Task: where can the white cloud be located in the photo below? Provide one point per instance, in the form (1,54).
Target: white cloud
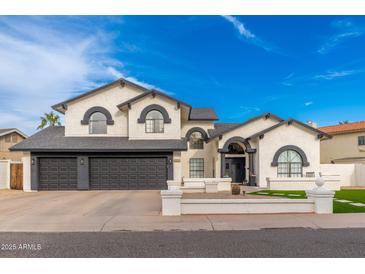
(287,80)
(44,62)
(346,30)
(308,103)
(330,75)
(239,26)
(246,34)
(244,110)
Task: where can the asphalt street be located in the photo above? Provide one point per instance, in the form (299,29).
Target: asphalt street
(296,242)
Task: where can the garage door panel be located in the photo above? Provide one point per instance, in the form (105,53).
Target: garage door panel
(57,173)
(128,173)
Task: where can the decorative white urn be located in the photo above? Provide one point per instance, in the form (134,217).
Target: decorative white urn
(319,181)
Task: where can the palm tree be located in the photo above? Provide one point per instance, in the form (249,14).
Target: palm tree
(50,119)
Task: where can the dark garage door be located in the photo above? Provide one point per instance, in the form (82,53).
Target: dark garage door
(57,174)
(128,173)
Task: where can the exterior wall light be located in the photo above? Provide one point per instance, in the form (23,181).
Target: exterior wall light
(82,161)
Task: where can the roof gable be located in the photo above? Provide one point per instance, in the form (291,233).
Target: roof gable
(229,127)
(6,131)
(320,134)
(62,106)
(152,93)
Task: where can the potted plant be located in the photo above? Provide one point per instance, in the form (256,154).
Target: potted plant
(236,189)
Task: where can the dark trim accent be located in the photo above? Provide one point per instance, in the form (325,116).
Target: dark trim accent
(290,147)
(234,140)
(153,93)
(121,81)
(101,150)
(223,164)
(83,173)
(311,128)
(261,133)
(90,111)
(146,110)
(251,152)
(251,170)
(170,167)
(265,115)
(34,169)
(196,129)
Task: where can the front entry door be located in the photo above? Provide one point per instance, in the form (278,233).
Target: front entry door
(235,168)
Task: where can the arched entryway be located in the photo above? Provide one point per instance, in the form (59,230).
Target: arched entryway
(237,161)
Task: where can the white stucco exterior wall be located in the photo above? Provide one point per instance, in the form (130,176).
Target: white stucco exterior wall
(108,98)
(248,129)
(177,166)
(26,160)
(171,130)
(282,136)
(209,153)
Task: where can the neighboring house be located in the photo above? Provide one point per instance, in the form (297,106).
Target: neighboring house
(124,136)
(347,144)
(8,138)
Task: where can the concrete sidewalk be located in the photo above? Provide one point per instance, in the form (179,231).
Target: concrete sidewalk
(137,211)
(73,223)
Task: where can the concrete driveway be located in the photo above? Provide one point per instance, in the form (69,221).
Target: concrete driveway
(136,211)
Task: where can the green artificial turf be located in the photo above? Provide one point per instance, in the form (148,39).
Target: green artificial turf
(354,195)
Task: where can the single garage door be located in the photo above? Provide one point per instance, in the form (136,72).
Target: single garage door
(128,173)
(57,174)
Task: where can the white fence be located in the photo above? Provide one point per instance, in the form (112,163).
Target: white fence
(348,174)
(5,174)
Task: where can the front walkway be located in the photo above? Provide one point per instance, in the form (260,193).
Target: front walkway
(136,211)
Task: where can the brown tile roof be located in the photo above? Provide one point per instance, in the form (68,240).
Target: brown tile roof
(344,128)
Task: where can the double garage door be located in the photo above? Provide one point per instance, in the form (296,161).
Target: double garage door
(105,173)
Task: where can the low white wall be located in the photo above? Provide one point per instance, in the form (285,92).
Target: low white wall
(200,184)
(4,174)
(349,174)
(301,183)
(359,174)
(241,206)
(345,173)
(320,201)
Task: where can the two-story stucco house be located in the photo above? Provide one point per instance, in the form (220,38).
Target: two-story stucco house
(347,145)
(124,136)
(8,138)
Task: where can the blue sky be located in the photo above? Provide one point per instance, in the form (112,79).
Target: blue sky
(304,67)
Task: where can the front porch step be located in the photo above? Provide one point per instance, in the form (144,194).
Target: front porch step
(193,189)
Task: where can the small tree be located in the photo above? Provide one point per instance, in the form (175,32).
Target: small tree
(343,122)
(49,119)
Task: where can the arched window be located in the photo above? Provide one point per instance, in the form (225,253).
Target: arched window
(235,148)
(97,123)
(196,140)
(154,122)
(290,164)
